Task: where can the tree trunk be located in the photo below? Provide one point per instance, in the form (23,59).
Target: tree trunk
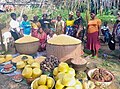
(88,11)
(119,5)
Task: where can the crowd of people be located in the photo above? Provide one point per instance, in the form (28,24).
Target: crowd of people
(43,30)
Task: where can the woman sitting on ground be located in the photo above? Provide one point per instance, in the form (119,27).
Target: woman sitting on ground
(42,36)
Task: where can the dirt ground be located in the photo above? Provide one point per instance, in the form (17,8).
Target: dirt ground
(110,62)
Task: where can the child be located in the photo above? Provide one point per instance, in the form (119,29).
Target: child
(51,34)
(105,32)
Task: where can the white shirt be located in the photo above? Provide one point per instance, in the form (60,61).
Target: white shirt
(14,24)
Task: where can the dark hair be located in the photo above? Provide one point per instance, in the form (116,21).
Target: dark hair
(44,15)
(12,14)
(24,15)
(93,11)
(77,11)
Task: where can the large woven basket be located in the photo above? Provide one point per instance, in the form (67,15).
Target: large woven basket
(27,48)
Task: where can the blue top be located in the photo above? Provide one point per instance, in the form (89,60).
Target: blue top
(26,26)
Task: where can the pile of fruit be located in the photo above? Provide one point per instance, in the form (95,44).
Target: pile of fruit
(31,69)
(5,58)
(43,82)
(65,77)
(102,75)
(49,64)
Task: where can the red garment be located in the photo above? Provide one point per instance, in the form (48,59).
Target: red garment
(42,38)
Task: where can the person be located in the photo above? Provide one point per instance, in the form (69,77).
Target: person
(14,27)
(51,34)
(45,23)
(93,42)
(35,25)
(69,25)
(42,36)
(59,25)
(78,25)
(116,29)
(25,26)
(106,33)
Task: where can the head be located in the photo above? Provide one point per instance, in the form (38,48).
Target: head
(92,14)
(118,14)
(25,18)
(44,16)
(40,30)
(51,33)
(78,13)
(105,23)
(35,18)
(71,15)
(59,17)
(13,16)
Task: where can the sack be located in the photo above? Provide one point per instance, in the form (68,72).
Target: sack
(111,43)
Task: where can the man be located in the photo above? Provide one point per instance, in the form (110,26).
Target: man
(78,25)
(45,23)
(14,27)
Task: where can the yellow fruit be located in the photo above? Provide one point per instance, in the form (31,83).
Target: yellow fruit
(60,75)
(35,85)
(70,88)
(36,72)
(30,61)
(42,80)
(8,57)
(42,87)
(68,80)
(63,67)
(78,85)
(55,71)
(50,82)
(71,71)
(2,60)
(28,66)
(20,64)
(27,72)
(59,85)
(35,65)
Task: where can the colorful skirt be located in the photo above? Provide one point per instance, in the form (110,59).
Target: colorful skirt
(93,42)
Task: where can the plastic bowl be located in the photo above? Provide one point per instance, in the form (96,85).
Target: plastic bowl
(90,73)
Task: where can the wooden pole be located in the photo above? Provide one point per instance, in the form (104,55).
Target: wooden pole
(1,27)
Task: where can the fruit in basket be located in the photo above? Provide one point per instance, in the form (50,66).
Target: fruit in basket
(71,71)
(30,61)
(63,67)
(35,65)
(42,80)
(50,82)
(68,80)
(55,71)
(42,87)
(2,60)
(8,57)
(27,72)
(70,88)
(36,72)
(59,85)
(35,85)
(78,85)
(20,64)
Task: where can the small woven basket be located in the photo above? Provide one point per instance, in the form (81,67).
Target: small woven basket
(27,48)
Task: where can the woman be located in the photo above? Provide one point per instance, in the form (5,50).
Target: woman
(93,43)
(35,25)
(69,25)
(42,36)
(116,29)
(25,26)
(59,25)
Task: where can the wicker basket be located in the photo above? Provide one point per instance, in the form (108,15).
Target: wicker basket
(27,48)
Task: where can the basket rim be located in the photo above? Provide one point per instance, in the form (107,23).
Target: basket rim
(27,43)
